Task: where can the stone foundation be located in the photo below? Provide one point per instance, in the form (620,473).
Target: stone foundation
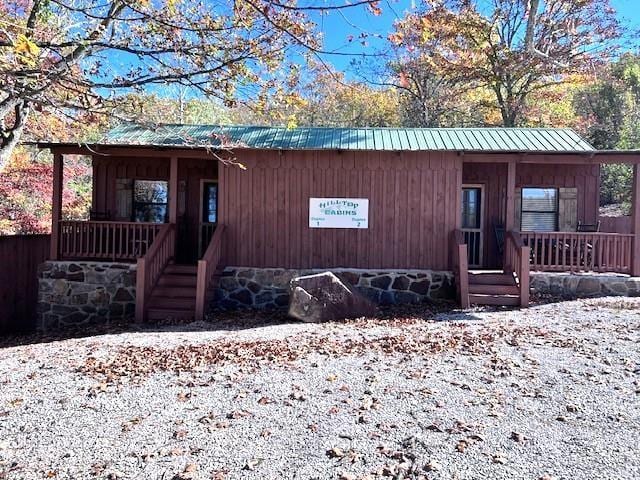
(269,287)
(79,293)
(585,285)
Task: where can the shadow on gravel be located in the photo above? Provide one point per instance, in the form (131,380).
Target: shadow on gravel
(248,319)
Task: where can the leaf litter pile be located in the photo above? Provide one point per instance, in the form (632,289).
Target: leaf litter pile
(135,363)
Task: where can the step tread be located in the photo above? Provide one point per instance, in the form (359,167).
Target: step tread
(172,302)
(492,279)
(484,299)
(177,269)
(490,289)
(174,291)
(164,313)
(169,280)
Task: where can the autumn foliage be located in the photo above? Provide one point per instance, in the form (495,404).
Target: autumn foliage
(26,190)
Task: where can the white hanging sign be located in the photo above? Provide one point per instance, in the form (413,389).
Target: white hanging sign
(339,213)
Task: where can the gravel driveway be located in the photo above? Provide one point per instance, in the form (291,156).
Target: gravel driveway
(548,392)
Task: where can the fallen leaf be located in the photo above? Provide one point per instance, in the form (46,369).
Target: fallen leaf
(252,464)
(183,397)
(432,466)
(499,458)
(335,452)
(462,446)
(435,428)
(239,414)
(180,434)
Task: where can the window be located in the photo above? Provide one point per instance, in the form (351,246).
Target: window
(471,207)
(539,210)
(150,201)
(210,202)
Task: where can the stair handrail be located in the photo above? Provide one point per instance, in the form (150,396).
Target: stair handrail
(207,267)
(150,267)
(517,260)
(460,266)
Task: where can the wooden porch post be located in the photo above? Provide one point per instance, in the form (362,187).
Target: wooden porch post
(173,190)
(56,204)
(635,221)
(510,210)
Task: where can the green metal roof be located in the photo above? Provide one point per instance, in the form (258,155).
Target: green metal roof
(370,138)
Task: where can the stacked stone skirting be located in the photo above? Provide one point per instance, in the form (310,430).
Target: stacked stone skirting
(269,287)
(584,285)
(78,293)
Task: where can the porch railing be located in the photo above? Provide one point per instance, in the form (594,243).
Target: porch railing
(579,251)
(207,267)
(105,240)
(460,266)
(204,236)
(517,260)
(150,266)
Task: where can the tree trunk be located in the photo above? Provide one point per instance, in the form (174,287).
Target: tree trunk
(10,136)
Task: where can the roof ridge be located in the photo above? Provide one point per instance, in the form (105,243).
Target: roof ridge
(322,127)
(487,139)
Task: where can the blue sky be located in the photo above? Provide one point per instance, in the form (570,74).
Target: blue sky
(338,26)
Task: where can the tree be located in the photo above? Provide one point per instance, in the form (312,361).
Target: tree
(80,55)
(512,47)
(611,108)
(332,101)
(324,98)
(26,190)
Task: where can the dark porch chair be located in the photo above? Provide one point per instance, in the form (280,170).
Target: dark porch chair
(96,216)
(588,227)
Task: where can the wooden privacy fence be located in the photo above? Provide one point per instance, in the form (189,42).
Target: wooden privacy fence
(106,240)
(20,256)
(615,224)
(579,252)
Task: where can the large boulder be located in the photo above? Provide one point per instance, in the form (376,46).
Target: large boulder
(323,297)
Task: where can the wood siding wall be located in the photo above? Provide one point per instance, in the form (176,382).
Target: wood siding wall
(414,204)
(586,178)
(20,256)
(190,172)
(107,169)
(493,176)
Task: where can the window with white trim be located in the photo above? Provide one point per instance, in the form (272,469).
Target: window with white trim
(150,201)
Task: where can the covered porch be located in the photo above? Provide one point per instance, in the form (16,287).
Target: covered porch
(537,213)
(178,226)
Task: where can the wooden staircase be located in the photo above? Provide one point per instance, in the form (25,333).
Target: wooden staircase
(174,296)
(493,288)
(166,290)
(509,287)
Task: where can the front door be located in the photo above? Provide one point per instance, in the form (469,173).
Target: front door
(472,222)
(208,214)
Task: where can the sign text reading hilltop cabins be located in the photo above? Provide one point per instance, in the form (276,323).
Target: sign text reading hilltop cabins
(339,213)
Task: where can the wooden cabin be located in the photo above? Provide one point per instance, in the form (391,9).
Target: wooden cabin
(487,204)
